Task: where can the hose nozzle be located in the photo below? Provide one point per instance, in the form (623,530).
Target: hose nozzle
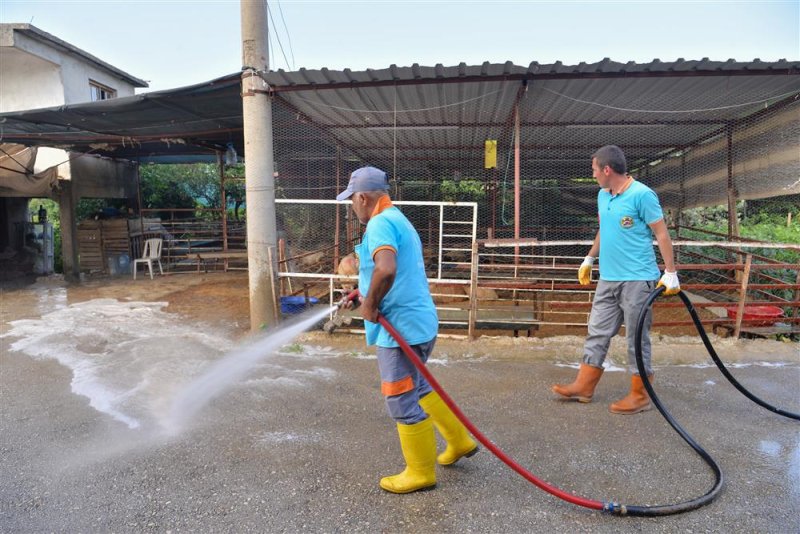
(339,318)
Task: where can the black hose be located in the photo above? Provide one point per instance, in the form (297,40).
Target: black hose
(692,504)
(714,491)
(721,366)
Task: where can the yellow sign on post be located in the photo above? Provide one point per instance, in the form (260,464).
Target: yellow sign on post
(490,154)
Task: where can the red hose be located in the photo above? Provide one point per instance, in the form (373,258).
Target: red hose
(580,501)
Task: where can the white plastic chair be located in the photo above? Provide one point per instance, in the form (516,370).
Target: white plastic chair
(151,253)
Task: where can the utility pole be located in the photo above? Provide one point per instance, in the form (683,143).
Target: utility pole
(259,166)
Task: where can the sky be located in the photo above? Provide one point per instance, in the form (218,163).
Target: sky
(173,43)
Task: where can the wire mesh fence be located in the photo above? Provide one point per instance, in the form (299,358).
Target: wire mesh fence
(520,151)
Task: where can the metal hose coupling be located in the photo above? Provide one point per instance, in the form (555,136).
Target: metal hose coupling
(615,508)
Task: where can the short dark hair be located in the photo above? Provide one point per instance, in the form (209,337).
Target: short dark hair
(613,156)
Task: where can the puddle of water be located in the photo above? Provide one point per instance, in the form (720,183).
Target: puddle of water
(794,471)
(770,448)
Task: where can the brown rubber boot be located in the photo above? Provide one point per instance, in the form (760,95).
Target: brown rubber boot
(637,399)
(582,388)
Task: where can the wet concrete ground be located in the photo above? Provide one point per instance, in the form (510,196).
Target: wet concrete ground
(301,446)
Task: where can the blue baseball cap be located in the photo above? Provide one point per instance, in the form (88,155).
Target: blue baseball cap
(365,179)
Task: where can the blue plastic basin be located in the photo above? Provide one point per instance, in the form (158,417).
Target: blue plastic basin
(290,305)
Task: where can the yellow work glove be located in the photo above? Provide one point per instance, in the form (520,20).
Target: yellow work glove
(585,271)
(670,282)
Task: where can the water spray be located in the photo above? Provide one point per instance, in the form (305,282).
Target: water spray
(224,373)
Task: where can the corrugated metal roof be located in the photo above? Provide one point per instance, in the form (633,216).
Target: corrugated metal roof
(437,111)
(325,77)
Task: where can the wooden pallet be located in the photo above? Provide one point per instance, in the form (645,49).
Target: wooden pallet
(100,239)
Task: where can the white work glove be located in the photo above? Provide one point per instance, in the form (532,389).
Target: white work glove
(585,271)
(670,282)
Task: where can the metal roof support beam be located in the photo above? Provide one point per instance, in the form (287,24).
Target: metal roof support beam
(529,77)
(654,122)
(516,179)
(582,147)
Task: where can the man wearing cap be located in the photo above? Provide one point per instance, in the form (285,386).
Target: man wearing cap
(392,282)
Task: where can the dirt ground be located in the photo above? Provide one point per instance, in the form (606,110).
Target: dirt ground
(221,300)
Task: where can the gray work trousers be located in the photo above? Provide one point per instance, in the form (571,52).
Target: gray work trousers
(615,302)
(402,384)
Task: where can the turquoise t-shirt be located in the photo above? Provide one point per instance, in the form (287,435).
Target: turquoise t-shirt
(408,305)
(626,240)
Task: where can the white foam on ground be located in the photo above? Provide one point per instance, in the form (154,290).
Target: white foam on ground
(272,438)
(132,360)
(608,366)
(123,356)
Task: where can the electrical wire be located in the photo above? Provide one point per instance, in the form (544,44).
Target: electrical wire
(270,47)
(288,35)
(341,108)
(278,37)
(27,171)
(720,108)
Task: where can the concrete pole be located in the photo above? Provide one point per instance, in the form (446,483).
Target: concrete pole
(69,231)
(259,166)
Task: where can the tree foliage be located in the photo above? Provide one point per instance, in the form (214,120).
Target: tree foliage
(186,186)
(464,190)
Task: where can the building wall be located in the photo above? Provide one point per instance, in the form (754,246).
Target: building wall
(96,177)
(27,81)
(11,210)
(34,75)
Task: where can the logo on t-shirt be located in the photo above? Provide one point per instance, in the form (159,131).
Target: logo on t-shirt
(626,222)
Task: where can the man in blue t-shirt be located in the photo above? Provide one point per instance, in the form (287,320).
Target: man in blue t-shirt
(629,214)
(393,283)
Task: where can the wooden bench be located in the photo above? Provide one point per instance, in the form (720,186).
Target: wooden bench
(204,257)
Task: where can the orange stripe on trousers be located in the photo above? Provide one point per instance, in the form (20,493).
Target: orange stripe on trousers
(404,385)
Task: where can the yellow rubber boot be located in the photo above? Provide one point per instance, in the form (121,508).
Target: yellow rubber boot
(637,399)
(582,389)
(459,444)
(419,450)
